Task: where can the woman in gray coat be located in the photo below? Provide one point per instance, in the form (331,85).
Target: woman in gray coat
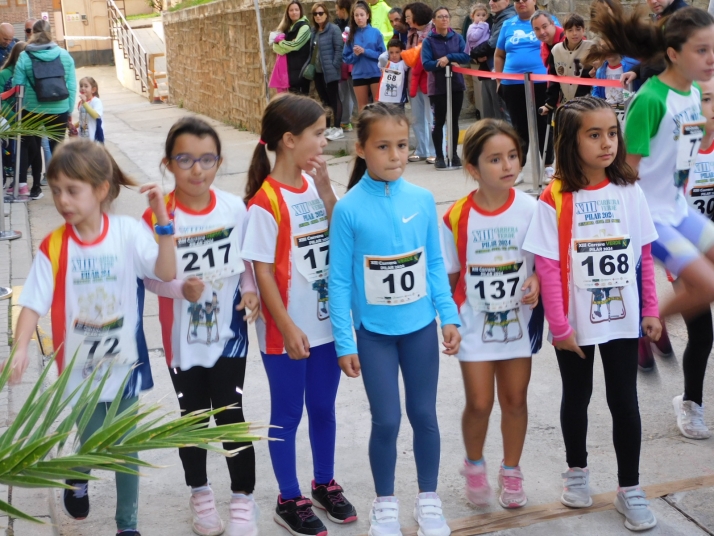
(327,46)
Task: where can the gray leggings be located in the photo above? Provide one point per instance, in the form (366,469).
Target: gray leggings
(381,357)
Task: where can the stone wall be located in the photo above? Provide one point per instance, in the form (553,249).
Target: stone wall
(213,54)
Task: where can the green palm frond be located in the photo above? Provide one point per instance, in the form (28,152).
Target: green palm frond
(35,125)
(32,448)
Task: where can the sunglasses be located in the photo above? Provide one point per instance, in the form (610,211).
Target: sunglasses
(28,30)
(318,13)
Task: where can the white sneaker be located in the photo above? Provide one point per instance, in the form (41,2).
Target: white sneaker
(428,513)
(244,516)
(690,418)
(328,132)
(549,172)
(206,521)
(519,179)
(635,507)
(384,517)
(335,134)
(576,488)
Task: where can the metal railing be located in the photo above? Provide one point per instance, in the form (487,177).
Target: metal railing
(129,44)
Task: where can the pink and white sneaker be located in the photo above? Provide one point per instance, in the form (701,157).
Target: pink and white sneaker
(244,516)
(511,483)
(23,189)
(478,490)
(206,521)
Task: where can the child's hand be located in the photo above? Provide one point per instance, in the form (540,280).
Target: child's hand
(533,286)
(250,302)
(452,339)
(317,169)
(192,289)
(156,202)
(652,327)
(570,344)
(19,365)
(297,344)
(350,365)
(83,97)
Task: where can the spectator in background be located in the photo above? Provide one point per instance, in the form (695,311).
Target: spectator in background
(493,106)
(362,50)
(295,46)
(418,16)
(346,91)
(7,40)
(479,34)
(380,19)
(29,23)
(548,32)
(401,30)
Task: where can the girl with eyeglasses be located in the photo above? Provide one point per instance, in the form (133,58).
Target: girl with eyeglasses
(327,46)
(203,316)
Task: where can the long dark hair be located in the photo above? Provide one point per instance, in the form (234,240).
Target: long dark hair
(480,132)
(284,113)
(353,25)
(632,35)
(369,115)
(568,166)
(286,23)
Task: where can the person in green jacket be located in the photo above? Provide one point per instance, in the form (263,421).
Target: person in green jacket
(295,46)
(56,113)
(380,19)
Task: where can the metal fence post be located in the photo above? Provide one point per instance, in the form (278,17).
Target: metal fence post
(449,125)
(15,197)
(533,150)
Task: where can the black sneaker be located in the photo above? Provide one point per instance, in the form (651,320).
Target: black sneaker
(76,501)
(440,163)
(456,161)
(330,499)
(128,532)
(36,193)
(297,517)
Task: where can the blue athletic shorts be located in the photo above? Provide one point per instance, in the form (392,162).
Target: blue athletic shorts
(677,247)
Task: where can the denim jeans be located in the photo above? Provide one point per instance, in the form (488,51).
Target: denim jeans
(422,120)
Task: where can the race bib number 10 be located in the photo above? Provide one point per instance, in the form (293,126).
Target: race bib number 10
(395,280)
(211,255)
(495,288)
(603,263)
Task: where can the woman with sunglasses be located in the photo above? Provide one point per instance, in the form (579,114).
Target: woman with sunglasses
(327,45)
(203,316)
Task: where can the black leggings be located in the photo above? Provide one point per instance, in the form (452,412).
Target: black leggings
(619,361)
(302,87)
(515,97)
(330,96)
(438,105)
(205,388)
(31,146)
(696,354)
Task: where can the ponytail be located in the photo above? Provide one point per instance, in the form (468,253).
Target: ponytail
(285,113)
(358,170)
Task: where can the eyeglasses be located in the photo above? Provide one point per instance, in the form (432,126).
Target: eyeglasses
(28,30)
(318,13)
(186,161)
(443,17)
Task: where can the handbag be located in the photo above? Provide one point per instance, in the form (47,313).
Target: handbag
(309,72)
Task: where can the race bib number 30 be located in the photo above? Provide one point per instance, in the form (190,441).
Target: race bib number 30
(688,145)
(211,255)
(495,288)
(312,255)
(701,198)
(603,263)
(395,280)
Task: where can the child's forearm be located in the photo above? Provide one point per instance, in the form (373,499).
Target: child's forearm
(26,326)
(271,295)
(172,289)
(551,293)
(165,268)
(247,279)
(91,111)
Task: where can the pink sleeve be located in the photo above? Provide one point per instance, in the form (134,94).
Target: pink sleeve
(247,279)
(172,289)
(551,293)
(650,305)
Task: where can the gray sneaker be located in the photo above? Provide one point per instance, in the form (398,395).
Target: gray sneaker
(576,488)
(635,507)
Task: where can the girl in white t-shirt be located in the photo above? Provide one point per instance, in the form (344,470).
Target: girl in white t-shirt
(91,110)
(287,238)
(496,291)
(591,235)
(664,132)
(204,329)
(89,272)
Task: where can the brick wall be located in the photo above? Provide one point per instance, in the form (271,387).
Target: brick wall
(213,55)
(14,13)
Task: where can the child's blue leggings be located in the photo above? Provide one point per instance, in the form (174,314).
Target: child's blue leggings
(381,357)
(311,382)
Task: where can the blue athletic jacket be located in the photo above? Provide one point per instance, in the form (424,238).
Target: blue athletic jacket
(365,65)
(383,219)
(627,65)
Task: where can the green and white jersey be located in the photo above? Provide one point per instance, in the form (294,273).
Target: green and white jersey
(665,127)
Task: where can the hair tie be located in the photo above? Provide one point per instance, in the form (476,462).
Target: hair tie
(262,142)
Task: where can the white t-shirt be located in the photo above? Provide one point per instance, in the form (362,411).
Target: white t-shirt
(96,294)
(610,225)
(486,251)
(613,95)
(665,127)
(287,227)
(87,124)
(208,245)
(700,186)
(391,86)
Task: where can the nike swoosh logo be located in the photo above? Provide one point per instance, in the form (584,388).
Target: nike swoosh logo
(410,218)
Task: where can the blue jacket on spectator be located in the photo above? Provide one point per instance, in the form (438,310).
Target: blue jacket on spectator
(627,65)
(364,65)
(436,46)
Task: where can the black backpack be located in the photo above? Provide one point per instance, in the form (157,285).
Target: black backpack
(49,85)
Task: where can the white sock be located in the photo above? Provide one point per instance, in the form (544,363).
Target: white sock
(199,489)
